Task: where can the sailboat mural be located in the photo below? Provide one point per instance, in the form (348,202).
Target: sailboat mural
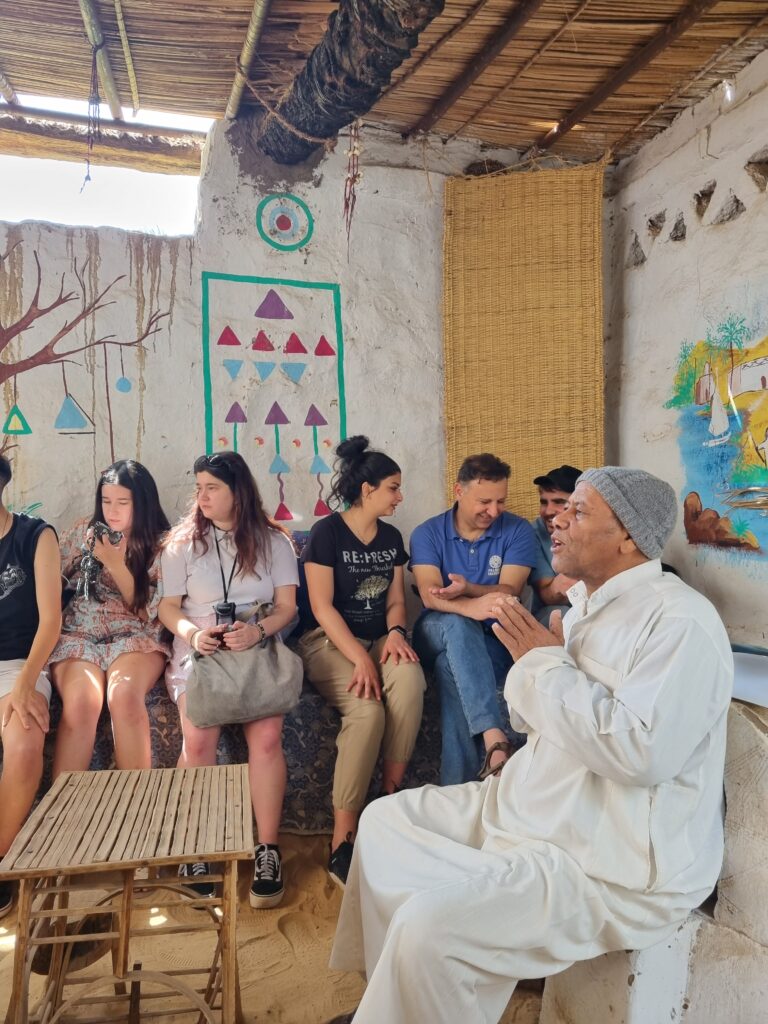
(720,390)
(719,427)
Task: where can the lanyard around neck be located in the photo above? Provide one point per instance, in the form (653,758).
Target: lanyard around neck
(225,585)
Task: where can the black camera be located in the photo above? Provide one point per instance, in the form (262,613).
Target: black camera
(101,530)
(225,613)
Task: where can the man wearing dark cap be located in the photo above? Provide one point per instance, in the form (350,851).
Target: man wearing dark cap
(603,831)
(549,587)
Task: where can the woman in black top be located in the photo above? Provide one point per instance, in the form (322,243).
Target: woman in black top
(358,656)
(30,621)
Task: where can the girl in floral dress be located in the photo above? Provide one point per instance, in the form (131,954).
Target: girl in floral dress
(112,641)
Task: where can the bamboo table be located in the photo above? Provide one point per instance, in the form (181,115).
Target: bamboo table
(111,825)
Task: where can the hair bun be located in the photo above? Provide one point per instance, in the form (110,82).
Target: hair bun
(353,448)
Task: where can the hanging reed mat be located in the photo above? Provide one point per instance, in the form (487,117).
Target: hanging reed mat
(523,323)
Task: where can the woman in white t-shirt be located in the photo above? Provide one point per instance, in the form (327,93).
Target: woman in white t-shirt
(227,552)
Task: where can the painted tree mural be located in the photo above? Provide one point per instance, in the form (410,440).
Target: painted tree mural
(59,345)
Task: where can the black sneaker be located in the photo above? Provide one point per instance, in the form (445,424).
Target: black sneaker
(7,894)
(340,859)
(267,888)
(198,870)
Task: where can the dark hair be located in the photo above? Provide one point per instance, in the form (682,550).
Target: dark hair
(357,464)
(482,467)
(252,525)
(5,472)
(148,524)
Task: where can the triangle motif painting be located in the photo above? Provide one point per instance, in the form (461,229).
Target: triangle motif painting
(273,308)
(71,416)
(228,337)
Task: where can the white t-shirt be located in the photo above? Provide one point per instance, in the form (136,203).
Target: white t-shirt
(196,576)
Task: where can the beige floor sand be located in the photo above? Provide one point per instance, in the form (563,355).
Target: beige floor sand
(283,953)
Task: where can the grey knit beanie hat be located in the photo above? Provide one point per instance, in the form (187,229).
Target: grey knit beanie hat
(643,504)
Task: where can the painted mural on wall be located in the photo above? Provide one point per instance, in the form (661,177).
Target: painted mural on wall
(273,371)
(57,327)
(721,391)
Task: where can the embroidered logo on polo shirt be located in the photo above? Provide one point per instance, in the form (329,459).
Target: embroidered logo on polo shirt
(494,565)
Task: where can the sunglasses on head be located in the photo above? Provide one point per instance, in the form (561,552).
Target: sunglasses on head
(219,461)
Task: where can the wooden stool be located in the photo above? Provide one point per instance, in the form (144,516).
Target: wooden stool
(112,825)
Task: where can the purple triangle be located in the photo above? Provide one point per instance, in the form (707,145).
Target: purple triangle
(315,418)
(273,307)
(236,414)
(276,415)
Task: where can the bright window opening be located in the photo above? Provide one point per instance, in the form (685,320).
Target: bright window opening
(52,190)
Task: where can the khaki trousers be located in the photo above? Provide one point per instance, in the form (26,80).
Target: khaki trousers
(367,726)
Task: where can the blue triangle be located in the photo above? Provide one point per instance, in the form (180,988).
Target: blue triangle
(71,416)
(233,367)
(279,465)
(293,370)
(264,369)
(318,466)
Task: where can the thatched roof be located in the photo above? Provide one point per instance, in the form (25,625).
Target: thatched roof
(587,58)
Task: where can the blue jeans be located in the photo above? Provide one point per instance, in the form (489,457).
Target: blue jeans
(469,666)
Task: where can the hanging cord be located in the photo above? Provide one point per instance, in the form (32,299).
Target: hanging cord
(94,115)
(352,180)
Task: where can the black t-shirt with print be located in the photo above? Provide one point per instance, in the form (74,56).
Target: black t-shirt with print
(19,617)
(362,573)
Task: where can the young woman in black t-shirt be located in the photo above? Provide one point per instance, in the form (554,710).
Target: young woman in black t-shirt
(358,656)
(30,620)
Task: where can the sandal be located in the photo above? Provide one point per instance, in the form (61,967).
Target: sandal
(486,770)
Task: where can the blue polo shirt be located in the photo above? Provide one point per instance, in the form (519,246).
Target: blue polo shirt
(542,570)
(509,540)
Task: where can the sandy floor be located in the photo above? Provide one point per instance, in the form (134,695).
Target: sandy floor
(283,953)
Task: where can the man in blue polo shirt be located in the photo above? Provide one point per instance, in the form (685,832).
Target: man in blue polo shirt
(462,560)
(549,587)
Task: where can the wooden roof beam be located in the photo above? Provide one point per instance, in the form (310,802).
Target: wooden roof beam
(251,42)
(679,91)
(663,39)
(346,73)
(500,93)
(95,35)
(114,147)
(495,44)
(6,89)
(52,117)
(437,45)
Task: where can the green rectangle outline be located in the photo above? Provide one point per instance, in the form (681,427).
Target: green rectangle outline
(208,275)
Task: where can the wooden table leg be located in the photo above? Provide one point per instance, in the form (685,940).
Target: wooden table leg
(19,1004)
(229,944)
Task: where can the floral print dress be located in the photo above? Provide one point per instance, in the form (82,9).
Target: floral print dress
(100,628)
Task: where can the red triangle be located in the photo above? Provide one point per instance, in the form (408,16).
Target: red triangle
(294,345)
(321,509)
(228,337)
(262,343)
(323,348)
(282,514)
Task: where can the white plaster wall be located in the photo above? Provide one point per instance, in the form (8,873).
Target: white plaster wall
(390,289)
(683,288)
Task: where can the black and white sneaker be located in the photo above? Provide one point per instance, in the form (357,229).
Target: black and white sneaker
(199,871)
(7,894)
(340,860)
(267,888)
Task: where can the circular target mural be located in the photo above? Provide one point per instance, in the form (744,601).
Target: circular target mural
(284,221)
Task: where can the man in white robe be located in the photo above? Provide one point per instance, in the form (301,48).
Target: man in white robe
(603,831)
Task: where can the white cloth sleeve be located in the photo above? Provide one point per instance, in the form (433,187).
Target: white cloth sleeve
(284,570)
(643,732)
(173,569)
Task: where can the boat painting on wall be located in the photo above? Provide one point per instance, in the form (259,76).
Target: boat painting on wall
(721,392)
